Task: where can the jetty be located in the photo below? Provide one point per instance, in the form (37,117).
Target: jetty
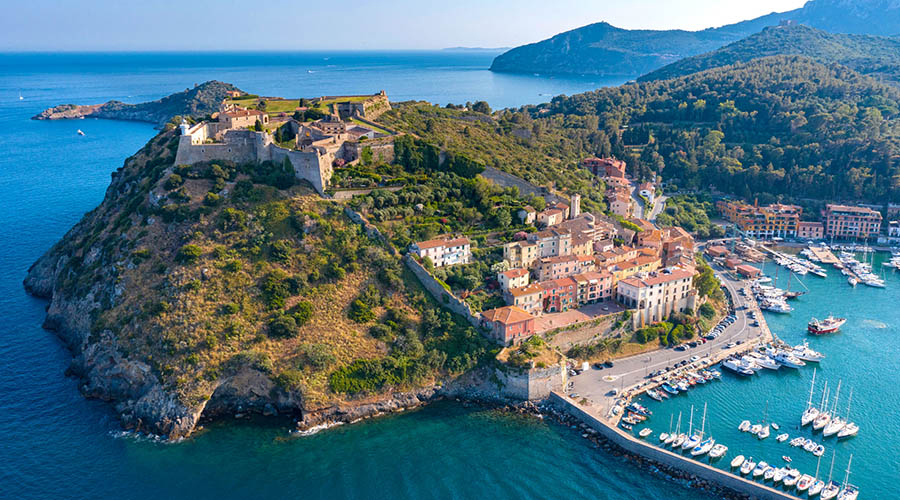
(824,255)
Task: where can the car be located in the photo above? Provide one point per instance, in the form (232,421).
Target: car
(702,341)
(730,345)
(739,342)
(598,366)
(694,358)
(680,347)
(608,364)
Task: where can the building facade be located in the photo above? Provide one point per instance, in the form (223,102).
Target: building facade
(444,251)
(514,278)
(509,325)
(810,230)
(563,266)
(848,222)
(771,221)
(655,296)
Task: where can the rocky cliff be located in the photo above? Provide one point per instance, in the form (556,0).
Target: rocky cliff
(195,102)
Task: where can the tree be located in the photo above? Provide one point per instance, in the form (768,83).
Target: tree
(282,326)
(173,182)
(258,126)
(481,107)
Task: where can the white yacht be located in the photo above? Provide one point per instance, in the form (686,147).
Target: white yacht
(803,352)
(850,429)
(745,426)
(763,361)
(718,451)
(811,411)
(789,360)
(779,474)
(792,477)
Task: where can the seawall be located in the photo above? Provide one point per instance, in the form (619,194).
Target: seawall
(640,447)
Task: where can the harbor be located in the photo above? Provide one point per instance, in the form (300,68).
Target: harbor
(777,397)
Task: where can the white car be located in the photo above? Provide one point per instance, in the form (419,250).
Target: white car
(694,358)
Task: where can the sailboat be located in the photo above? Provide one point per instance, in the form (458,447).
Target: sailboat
(704,446)
(832,488)
(850,428)
(824,417)
(848,492)
(837,423)
(811,411)
(692,439)
(816,487)
(674,436)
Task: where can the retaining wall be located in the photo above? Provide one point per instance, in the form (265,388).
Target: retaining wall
(370,230)
(640,447)
(441,294)
(504,179)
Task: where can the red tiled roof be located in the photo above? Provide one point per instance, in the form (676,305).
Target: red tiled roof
(515,273)
(442,242)
(506,315)
(659,277)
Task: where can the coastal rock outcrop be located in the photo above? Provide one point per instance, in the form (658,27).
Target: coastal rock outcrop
(196,102)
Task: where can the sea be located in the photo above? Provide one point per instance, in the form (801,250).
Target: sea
(57,444)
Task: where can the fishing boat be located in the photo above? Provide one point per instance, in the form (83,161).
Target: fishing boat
(827,325)
(748,466)
(625,426)
(760,468)
(668,388)
(737,461)
(645,432)
(654,395)
(718,451)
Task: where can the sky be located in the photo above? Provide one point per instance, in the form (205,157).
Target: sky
(202,25)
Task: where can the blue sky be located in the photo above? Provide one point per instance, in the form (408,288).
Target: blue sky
(71,25)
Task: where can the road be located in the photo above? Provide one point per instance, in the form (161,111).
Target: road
(658,207)
(598,385)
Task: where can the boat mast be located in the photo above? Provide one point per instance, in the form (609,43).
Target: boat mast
(691,423)
(703,424)
(831,472)
(847,476)
(818,463)
(678,429)
(671,418)
(824,397)
(848,405)
(811,386)
(836,396)
(766,414)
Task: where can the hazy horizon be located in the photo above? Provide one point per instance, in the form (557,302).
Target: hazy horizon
(210,26)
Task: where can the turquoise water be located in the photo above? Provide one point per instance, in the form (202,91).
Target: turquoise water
(56,444)
(863,355)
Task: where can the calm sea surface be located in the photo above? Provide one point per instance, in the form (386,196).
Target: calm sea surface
(56,444)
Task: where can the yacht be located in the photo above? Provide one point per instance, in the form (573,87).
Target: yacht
(704,447)
(763,361)
(831,490)
(848,492)
(735,366)
(679,440)
(789,360)
(815,488)
(850,429)
(803,352)
(718,451)
(811,411)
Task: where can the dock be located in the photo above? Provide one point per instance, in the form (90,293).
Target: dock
(824,255)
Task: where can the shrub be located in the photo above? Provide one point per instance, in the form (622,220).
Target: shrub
(189,254)
(233,266)
(275,289)
(173,182)
(318,355)
(230,308)
(289,379)
(707,311)
(282,326)
(212,200)
(360,312)
(302,312)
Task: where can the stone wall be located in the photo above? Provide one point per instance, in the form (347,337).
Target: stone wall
(382,149)
(370,230)
(534,384)
(504,179)
(633,445)
(441,294)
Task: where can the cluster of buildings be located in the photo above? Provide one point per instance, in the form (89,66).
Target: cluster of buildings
(618,187)
(314,147)
(572,262)
(783,221)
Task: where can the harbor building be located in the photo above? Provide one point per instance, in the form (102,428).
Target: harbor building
(508,324)
(771,221)
(444,251)
(656,295)
(810,230)
(849,222)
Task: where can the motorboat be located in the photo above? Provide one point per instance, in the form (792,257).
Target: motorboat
(763,433)
(755,428)
(679,440)
(775,426)
(797,442)
(760,468)
(792,477)
(827,325)
(780,473)
(718,451)
(748,466)
(805,482)
(819,451)
(809,445)
(853,281)
(786,458)
(663,436)
(737,461)
(645,432)
(626,426)
(745,426)
(654,395)
(734,366)
(769,473)
(668,388)
(762,361)
(782,437)
(803,352)
(671,439)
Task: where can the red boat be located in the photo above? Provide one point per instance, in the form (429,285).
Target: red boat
(827,325)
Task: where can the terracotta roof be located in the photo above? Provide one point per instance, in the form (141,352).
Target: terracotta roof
(552,211)
(591,276)
(442,242)
(506,315)
(659,277)
(525,290)
(515,273)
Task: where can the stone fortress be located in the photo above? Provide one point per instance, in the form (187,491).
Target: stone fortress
(315,147)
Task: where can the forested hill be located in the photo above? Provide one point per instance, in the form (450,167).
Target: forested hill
(875,56)
(602,49)
(783,125)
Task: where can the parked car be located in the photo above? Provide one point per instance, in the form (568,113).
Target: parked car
(608,364)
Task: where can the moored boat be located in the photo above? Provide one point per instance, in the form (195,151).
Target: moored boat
(827,325)
(748,466)
(737,461)
(718,451)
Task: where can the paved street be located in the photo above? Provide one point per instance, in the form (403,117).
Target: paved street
(598,385)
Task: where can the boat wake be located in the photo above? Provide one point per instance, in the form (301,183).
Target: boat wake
(315,429)
(871,323)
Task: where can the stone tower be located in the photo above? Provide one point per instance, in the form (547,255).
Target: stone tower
(575,210)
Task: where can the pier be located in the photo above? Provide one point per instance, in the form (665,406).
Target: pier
(824,255)
(640,447)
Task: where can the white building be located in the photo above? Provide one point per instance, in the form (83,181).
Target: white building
(654,296)
(514,278)
(444,251)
